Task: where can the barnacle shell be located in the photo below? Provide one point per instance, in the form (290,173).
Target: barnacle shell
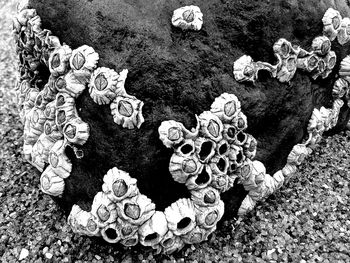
(83,222)
(240,138)
(222,148)
(197,235)
(111,233)
(59,161)
(66,110)
(136,210)
(308,63)
(321,45)
(51,131)
(236,157)
(331,23)
(200,180)
(226,107)
(59,60)
(118,185)
(247,205)
(105,86)
(34,125)
(344,70)
(83,61)
(330,60)
(127,111)
(279,179)
(40,151)
(26,14)
(170,133)
(252,174)
(70,84)
(103,209)
(181,216)
(181,167)
(188,18)
(240,122)
(131,240)
(229,133)
(153,231)
(205,149)
(171,243)
(76,131)
(219,164)
(283,48)
(205,197)
(51,183)
(298,154)
(344,31)
(187,148)
(250,146)
(222,182)
(209,216)
(340,87)
(127,230)
(244,69)
(289,170)
(211,126)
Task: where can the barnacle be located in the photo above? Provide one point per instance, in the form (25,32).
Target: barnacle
(229,132)
(188,18)
(219,164)
(136,210)
(171,133)
(321,45)
(118,185)
(83,61)
(344,31)
(153,231)
(298,154)
(247,205)
(40,151)
(250,146)
(287,56)
(226,107)
(187,148)
(76,131)
(111,233)
(289,170)
(51,131)
(222,182)
(331,23)
(222,148)
(205,197)
(197,235)
(66,110)
(209,216)
(181,167)
(171,243)
(211,126)
(104,210)
(201,179)
(279,178)
(51,183)
(83,222)
(181,216)
(205,149)
(59,60)
(340,88)
(127,111)
(240,122)
(344,70)
(70,84)
(58,160)
(106,84)
(244,69)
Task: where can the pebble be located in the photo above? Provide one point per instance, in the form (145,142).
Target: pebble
(24,253)
(48,255)
(97,257)
(46,249)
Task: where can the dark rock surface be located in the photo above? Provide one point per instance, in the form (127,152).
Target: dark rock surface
(178,74)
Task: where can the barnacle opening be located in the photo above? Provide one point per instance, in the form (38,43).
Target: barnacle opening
(221,164)
(111,233)
(223,149)
(336,22)
(91,225)
(186,148)
(133,211)
(101,82)
(210,197)
(151,237)
(119,188)
(184,223)
(174,134)
(206,149)
(202,178)
(127,230)
(168,242)
(211,218)
(103,213)
(241,137)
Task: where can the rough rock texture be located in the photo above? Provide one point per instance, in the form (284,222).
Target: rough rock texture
(178,74)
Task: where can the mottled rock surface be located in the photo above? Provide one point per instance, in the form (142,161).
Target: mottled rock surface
(178,74)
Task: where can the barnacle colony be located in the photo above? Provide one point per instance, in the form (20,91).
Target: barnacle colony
(207,159)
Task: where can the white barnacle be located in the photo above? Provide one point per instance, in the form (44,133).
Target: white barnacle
(106,84)
(127,111)
(330,60)
(51,183)
(308,63)
(200,180)
(181,216)
(40,151)
(127,229)
(188,18)
(76,131)
(244,69)
(51,131)
(209,216)
(130,241)
(247,205)
(182,167)
(83,222)
(50,111)
(289,170)
(340,88)
(59,60)
(298,154)
(226,107)
(211,126)
(171,133)
(65,109)
(118,185)
(240,138)
(154,230)
(111,233)
(70,84)
(208,196)
(283,48)
(104,210)
(171,243)
(222,182)
(344,70)
(36,120)
(240,122)
(279,178)
(229,133)
(250,146)
(59,161)
(344,31)
(331,23)
(83,61)
(136,210)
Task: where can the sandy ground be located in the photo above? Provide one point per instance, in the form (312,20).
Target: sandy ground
(306,221)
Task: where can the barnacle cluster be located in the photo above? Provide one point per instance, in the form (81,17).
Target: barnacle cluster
(188,18)
(320,61)
(334,26)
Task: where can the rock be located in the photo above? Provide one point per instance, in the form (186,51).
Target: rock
(24,253)
(178,74)
(48,255)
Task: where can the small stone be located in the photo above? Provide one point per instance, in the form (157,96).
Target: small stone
(48,255)
(97,257)
(24,253)
(45,250)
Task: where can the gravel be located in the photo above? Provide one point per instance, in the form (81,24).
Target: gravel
(306,221)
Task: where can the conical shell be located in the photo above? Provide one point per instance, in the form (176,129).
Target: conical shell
(226,107)
(211,126)
(208,216)
(104,210)
(154,230)
(331,23)
(244,69)
(188,18)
